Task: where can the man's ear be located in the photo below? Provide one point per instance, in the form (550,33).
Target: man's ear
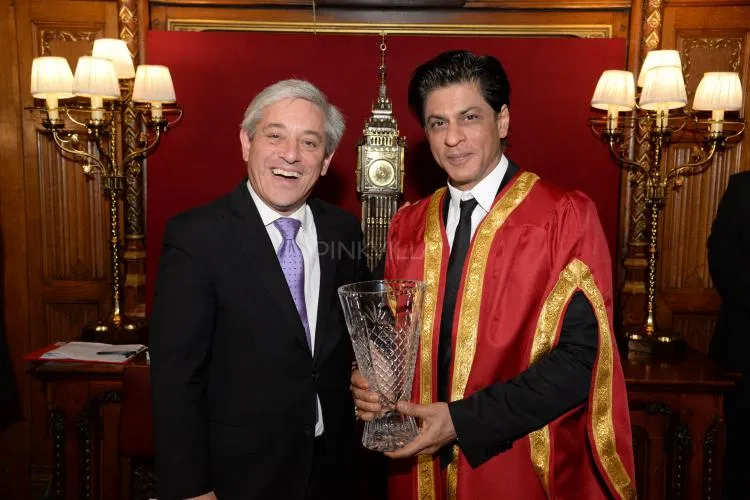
(326,163)
(503,121)
(246,143)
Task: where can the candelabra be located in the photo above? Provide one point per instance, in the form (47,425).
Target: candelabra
(663,89)
(88,134)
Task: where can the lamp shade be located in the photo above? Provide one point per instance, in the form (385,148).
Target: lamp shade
(719,91)
(615,91)
(117,52)
(96,77)
(658,58)
(153,84)
(664,89)
(51,77)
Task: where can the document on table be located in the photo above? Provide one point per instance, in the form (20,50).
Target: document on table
(94,351)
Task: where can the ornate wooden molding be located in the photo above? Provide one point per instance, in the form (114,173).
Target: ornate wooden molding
(677,442)
(57,426)
(86,423)
(47,36)
(683,442)
(732,44)
(710,447)
(571,30)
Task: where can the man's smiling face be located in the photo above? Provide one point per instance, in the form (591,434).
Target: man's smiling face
(286,155)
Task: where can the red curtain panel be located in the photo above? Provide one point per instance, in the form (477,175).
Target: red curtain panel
(217,74)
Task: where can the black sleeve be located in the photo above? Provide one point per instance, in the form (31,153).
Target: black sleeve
(363,272)
(378,272)
(488,421)
(180,336)
(729,244)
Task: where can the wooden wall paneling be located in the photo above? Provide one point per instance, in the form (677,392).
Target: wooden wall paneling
(66,214)
(709,38)
(14,306)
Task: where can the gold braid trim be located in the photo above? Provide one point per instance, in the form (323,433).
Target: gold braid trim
(550,317)
(601,400)
(468,320)
(433,256)
(574,277)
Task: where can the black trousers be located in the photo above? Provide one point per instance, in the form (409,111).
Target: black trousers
(329,479)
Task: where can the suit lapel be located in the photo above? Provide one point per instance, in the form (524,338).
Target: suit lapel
(249,230)
(328,249)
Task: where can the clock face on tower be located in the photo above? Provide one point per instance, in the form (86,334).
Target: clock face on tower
(381,173)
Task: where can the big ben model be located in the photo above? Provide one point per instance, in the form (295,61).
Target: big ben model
(380,170)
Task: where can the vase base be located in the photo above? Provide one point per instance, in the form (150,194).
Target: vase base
(389,432)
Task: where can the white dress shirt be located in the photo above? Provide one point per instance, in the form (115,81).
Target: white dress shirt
(307,240)
(484,192)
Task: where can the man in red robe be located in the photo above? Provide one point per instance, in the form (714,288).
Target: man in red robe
(518,385)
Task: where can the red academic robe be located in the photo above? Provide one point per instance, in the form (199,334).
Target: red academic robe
(536,247)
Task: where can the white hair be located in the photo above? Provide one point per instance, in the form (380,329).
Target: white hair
(296,89)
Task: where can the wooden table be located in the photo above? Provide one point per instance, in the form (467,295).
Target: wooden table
(84,411)
(676,407)
(677,416)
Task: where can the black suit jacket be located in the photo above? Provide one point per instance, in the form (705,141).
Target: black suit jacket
(234,381)
(729,263)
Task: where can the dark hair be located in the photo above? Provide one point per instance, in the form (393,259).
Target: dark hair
(459,66)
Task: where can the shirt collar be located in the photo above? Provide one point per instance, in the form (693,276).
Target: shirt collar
(268,215)
(485,190)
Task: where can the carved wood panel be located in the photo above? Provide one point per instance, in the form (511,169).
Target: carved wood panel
(654,429)
(687,300)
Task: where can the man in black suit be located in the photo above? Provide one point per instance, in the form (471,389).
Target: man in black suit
(729,263)
(250,355)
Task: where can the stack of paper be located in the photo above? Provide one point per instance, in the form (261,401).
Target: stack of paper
(94,351)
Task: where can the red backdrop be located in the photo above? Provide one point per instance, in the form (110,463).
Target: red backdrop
(217,74)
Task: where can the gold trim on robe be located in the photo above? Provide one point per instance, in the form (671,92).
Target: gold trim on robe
(468,319)
(578,276)
(433,256)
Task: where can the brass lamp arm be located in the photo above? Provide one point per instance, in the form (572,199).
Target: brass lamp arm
(692,168)
(103,123)
(100,146)
(685,121)
(76,153)
(144,152)
(633,165)
(728,138)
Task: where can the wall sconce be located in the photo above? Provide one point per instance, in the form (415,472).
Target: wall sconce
(663,91)
(112,85)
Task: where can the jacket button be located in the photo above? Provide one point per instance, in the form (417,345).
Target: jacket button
(315,377)
(309,430)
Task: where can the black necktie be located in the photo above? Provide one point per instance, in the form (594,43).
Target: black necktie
(460,247)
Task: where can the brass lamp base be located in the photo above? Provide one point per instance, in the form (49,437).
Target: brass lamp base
(660,342)
(121,330)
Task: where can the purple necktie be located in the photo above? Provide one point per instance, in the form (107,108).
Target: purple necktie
(293,265)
